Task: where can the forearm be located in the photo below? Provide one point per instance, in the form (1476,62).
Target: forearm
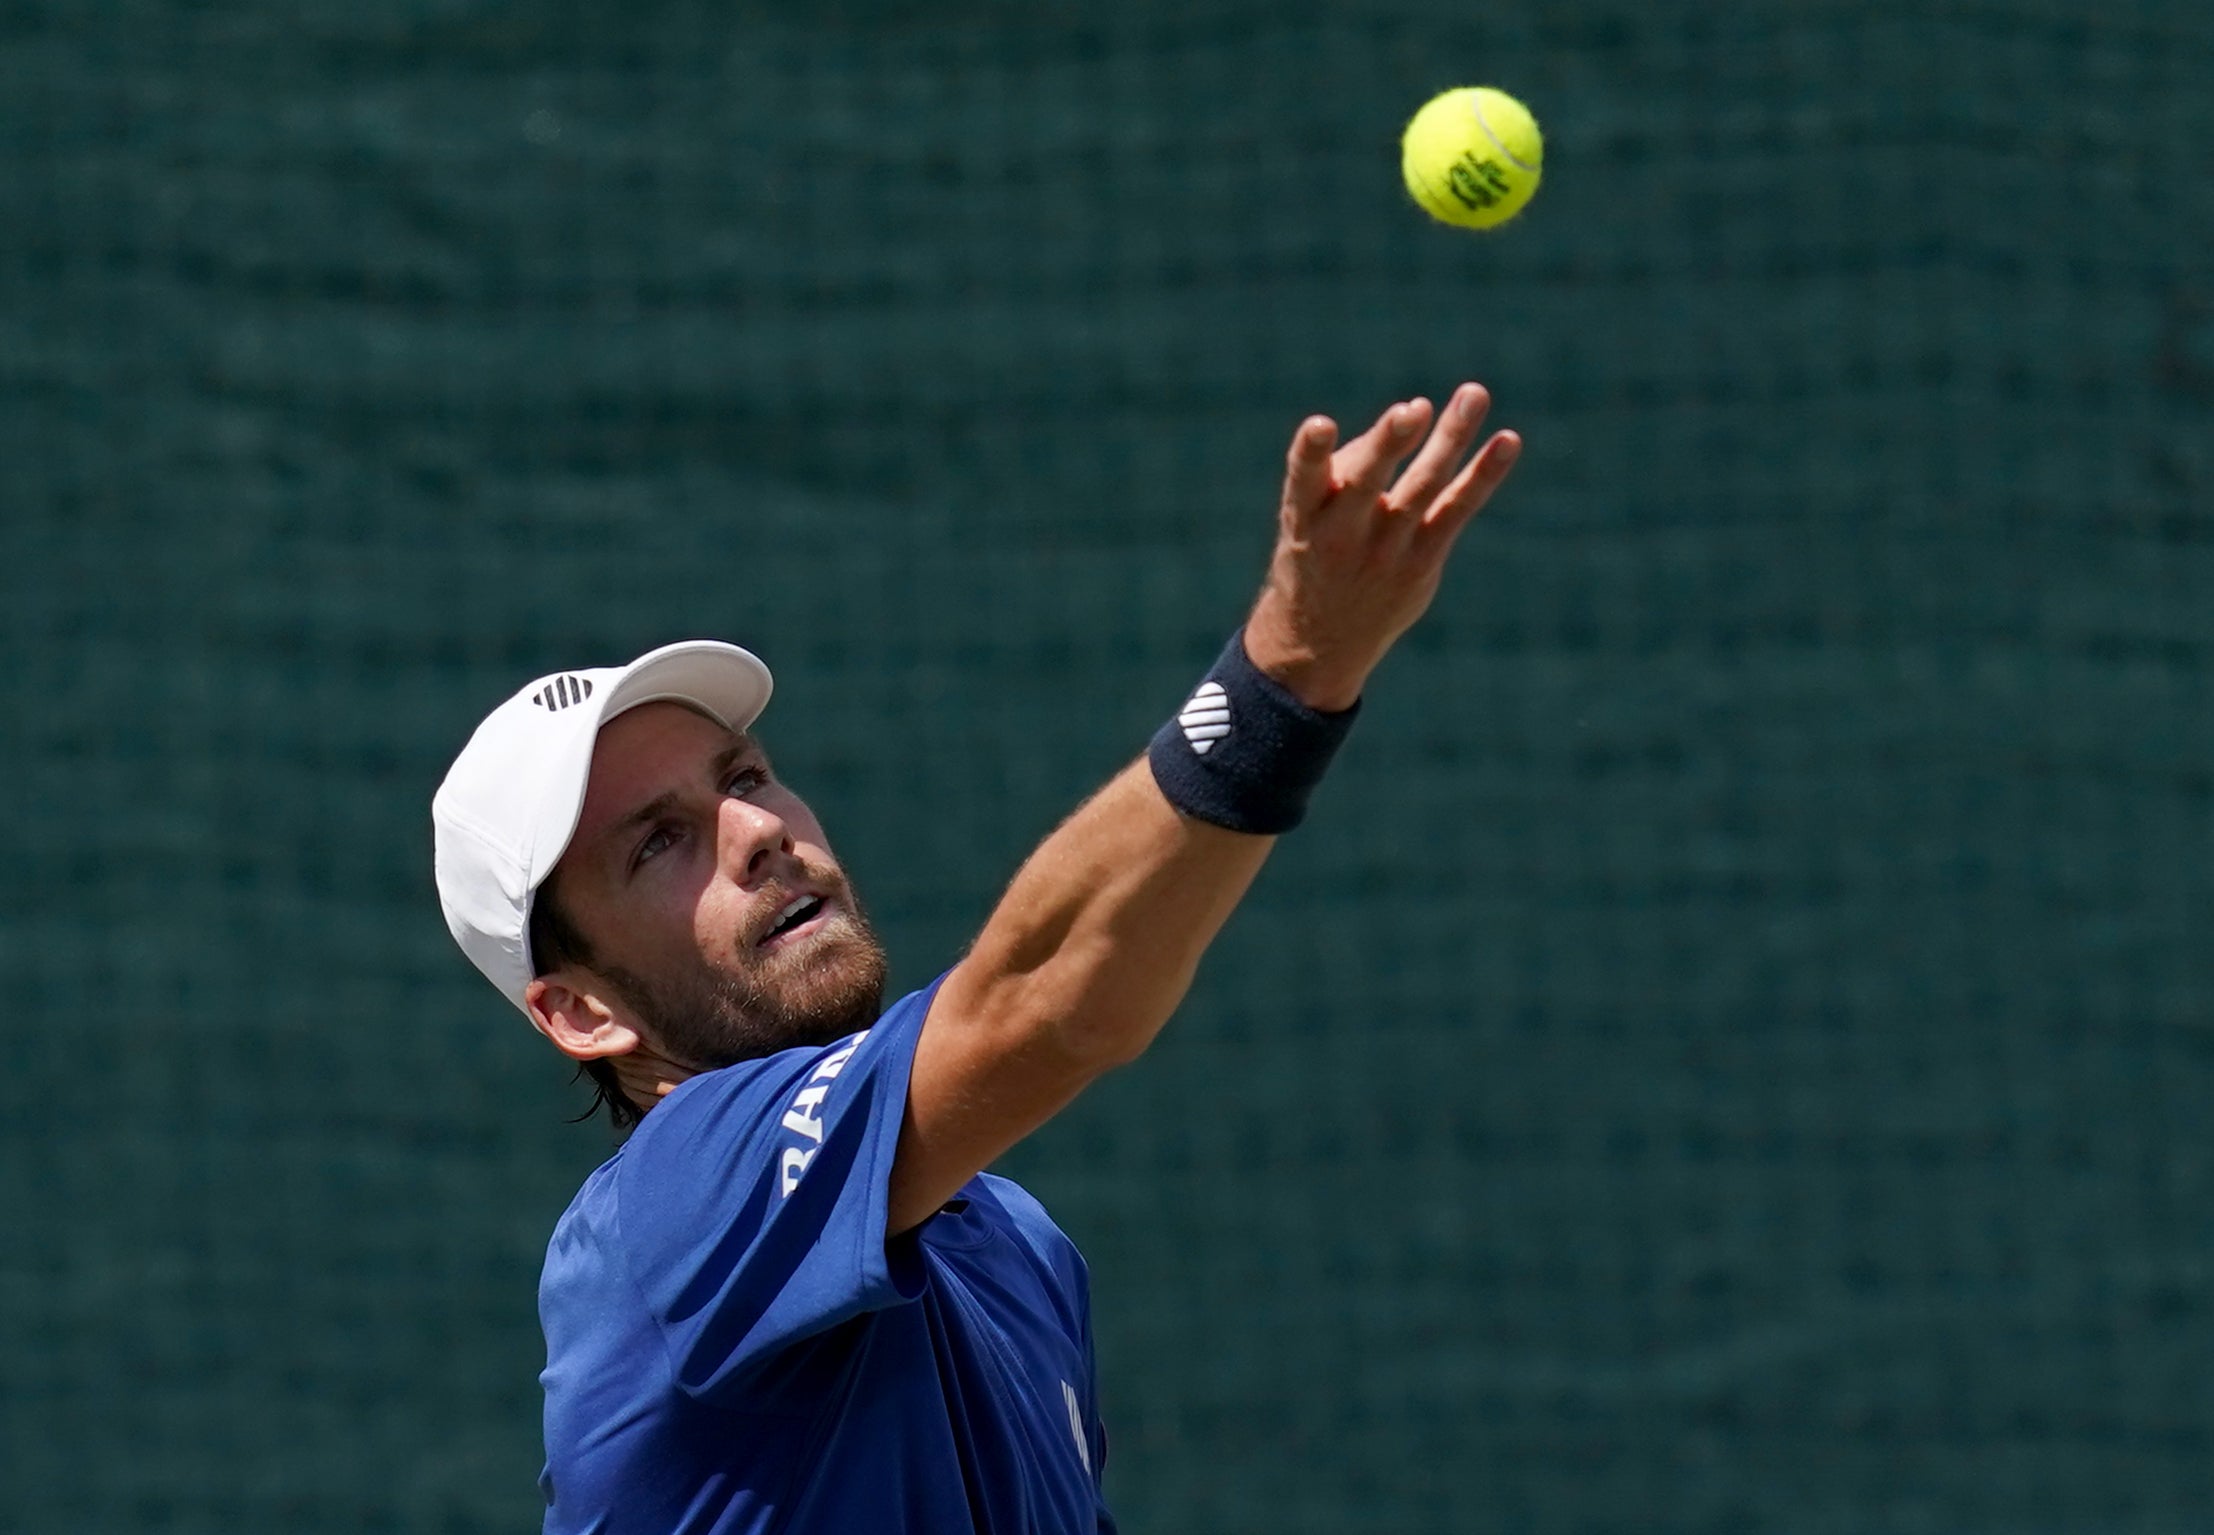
(1098,937)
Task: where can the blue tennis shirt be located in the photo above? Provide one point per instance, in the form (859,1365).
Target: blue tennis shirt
(732,1345)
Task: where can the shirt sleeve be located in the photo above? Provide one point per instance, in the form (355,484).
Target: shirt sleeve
(753,1202)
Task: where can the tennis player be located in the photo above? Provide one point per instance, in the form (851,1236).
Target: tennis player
(793,1301)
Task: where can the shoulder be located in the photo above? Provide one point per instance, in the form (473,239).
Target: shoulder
(740,1135)
(724,1101)
(730,1098)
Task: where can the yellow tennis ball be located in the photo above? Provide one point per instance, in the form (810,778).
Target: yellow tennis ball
(1471,156)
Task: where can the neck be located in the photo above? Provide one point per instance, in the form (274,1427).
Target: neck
(646,1076)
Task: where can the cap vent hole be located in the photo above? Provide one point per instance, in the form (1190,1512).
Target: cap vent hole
(562,692)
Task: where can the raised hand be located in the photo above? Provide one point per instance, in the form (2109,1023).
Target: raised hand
(1356,563)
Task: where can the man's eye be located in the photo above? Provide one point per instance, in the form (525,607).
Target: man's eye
(743,781)
(659,842)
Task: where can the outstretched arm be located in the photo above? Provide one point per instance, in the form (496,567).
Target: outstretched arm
(1098,937)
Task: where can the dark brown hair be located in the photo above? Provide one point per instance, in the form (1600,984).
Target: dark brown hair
(554,942)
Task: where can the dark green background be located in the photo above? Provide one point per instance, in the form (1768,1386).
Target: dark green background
(1730,1053)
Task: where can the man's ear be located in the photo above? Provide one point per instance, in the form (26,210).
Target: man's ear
(580,1024)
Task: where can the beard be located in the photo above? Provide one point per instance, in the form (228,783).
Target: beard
(802,994)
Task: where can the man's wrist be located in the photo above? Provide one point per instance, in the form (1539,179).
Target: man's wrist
(1317,686)
(1321,683)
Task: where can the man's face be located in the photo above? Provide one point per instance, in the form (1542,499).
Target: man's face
(709,898)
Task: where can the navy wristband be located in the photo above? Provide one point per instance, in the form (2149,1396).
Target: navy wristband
(1243,752)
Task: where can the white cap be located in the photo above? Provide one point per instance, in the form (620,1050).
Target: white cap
(509,804)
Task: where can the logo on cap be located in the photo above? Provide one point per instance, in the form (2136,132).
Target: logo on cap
(562,692)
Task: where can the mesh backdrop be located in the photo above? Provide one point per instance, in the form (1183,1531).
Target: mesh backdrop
(1730,1051)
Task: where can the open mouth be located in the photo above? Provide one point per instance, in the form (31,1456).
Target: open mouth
(796,914)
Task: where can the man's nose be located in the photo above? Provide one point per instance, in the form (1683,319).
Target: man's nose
(748,837)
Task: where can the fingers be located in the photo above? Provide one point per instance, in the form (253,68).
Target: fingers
(1456,429)
(1355,475)
(1307,481)
(1363,466)
(1472,487)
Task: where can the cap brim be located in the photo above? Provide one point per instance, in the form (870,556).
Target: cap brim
(726,682)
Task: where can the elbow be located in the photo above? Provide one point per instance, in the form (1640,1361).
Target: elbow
(1093,1032)
(1102,1044)
(1067,1015)
(1092,983)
